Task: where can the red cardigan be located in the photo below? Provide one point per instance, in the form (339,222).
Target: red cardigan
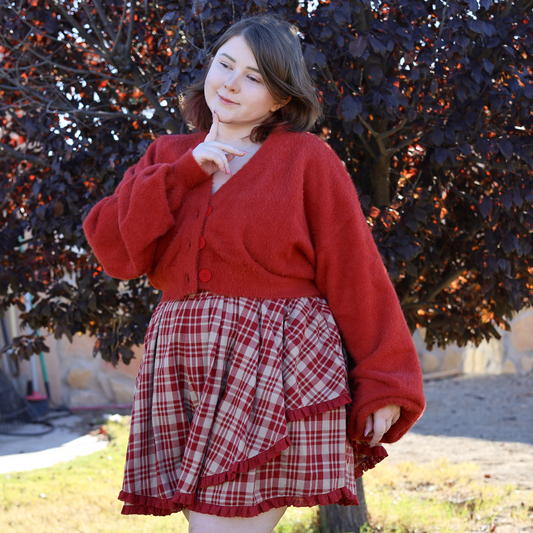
(288,224)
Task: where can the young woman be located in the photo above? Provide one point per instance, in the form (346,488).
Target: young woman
(253,231)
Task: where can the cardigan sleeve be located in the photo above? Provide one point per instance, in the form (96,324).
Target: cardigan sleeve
(123,229)
(352,277)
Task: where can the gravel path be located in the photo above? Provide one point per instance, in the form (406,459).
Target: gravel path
(487,420)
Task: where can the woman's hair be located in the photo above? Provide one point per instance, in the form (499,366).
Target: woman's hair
(277,50)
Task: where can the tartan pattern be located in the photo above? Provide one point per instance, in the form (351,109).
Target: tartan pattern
(319,461)
(238,401)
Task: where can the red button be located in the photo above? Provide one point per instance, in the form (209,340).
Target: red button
(204,275)
(201,243)
(209,210)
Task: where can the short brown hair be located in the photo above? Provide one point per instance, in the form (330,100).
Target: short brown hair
(278,52)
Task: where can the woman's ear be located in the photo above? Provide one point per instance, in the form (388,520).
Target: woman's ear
(277,106)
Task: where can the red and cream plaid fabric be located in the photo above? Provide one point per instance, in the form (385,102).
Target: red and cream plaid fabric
(240,408)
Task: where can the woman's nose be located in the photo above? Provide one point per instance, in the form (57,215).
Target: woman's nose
(232,82)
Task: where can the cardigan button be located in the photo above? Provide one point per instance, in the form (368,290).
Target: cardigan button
(204,275)
(201,244)
(209,210)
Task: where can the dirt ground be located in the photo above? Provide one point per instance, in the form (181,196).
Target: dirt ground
(487,420)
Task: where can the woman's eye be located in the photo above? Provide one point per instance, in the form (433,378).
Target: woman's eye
(225,65)
(254,79)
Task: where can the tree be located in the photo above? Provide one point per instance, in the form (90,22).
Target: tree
(429,104)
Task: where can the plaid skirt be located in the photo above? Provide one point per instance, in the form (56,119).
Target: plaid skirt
(240,407)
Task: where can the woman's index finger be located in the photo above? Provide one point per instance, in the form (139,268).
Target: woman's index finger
(213,132)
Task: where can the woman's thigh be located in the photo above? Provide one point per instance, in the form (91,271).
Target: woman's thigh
(206,523)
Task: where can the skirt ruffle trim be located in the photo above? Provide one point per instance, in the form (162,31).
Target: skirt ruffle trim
(317,409)
(246,465)
(367,457)
(146,505)
(256,461)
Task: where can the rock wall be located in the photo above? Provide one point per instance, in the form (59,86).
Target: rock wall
(513,354)
(77,379)
(88,381)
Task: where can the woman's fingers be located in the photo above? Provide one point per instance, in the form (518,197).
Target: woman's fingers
(213,132)
(211,138)
(207,154)
(369,424)
(380,422)
(226,147)
(218,157)
(380,428)
(211,153)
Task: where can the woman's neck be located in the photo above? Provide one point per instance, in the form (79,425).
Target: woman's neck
(235,136)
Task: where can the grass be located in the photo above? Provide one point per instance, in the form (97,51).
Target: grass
(443,497)
(80,496)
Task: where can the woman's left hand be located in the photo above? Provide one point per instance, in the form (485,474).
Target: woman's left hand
(380,422)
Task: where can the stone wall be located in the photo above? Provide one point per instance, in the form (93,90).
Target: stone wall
(78,379)
(513,354)
(88,381)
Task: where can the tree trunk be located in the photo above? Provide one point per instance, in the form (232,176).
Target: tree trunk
(381,181)
(344,519)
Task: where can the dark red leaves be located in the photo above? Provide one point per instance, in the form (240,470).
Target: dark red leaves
(437,117)
(358,46)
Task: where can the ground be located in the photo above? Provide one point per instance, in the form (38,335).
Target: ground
(487,420)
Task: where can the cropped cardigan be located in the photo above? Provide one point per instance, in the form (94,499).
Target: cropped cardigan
(288,224)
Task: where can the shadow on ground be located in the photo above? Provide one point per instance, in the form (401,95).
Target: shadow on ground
(498,408)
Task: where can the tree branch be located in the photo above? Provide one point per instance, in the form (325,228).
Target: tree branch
(394,130)
(384,135)
(105,21)
(73,43)
(376,135)
(6,149)
(146,88)
(133,5)
(428,299)
(78,71)
(119,34)
(448,280)
(415,306)
(327,70)
(405,143)
(507,8)
(93,23)
(442,21)
(367,147)
(463,194)
(64,13)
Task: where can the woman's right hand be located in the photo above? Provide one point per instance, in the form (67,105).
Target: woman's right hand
(212,155)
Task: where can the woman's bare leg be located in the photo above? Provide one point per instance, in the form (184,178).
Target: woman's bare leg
(206,523)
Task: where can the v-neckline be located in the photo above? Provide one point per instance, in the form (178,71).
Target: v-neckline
(247,164)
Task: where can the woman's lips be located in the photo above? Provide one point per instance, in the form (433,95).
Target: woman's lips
(226,101)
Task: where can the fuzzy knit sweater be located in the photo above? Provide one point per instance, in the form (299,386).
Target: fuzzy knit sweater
(288,224)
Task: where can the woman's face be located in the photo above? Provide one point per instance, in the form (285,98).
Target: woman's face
(235,89)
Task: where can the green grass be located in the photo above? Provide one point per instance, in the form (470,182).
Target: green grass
(80,496)
(443,497)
